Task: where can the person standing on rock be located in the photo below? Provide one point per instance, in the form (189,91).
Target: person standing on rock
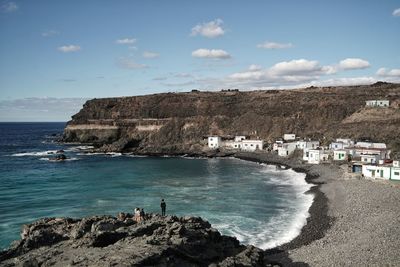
(163,206)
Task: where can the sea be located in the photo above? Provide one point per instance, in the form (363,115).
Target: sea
(259,204)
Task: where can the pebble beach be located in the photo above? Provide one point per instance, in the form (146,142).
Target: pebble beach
(353,221)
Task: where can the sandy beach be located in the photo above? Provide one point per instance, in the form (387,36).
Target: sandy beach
(353,222)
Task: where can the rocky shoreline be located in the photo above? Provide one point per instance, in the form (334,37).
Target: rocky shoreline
(121,241)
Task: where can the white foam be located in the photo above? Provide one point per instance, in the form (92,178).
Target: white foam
(79,148)
(112,154)
(37,154)
(55,160)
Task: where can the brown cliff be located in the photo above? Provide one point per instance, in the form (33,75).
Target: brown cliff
(178,122)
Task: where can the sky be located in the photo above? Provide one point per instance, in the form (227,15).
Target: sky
(54,55)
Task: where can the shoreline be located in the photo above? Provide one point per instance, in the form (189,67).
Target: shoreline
(334,231)
(318,220)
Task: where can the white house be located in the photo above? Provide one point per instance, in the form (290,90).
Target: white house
(370,145)
(341,143)
(289,137)
(277,145)
(252,145)
(239,138)
(395,173)
(307,144)
(376,171)
(316,156)
(340,154)
(287,149)
(214,142)
(377,103)
(370,159)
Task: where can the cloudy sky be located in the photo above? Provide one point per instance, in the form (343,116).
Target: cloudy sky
(56,54)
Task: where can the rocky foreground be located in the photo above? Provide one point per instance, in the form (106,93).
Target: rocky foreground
(110,241)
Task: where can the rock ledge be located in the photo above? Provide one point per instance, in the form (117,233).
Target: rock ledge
(110,241)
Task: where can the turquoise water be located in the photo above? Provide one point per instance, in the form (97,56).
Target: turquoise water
(256,203)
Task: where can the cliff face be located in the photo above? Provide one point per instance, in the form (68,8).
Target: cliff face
(180,121)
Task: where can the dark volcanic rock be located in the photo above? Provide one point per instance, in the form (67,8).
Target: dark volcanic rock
(107,241)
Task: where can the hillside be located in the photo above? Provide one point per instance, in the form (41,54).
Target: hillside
(178,122)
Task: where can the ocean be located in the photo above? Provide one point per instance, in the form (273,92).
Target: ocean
(257,203)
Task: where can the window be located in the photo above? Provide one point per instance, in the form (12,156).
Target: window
(396,173)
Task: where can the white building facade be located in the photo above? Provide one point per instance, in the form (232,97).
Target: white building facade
(214,142)
(377,103)
(289,137)
(252,145)
(340,155)
(287,149)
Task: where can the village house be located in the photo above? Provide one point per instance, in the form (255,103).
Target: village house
(370,159)
(307,144)
(289,137)
(377,103)
(382,171)
(239,143)
(340,154)
(252,145)
(277,145)
(315,156)
(214,142)
(286,149)
(341,143)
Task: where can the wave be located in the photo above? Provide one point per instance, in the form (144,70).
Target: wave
(54,160)
(79,148)
(38,153)
(112,154)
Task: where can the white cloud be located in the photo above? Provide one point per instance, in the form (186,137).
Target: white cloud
(210,29)
(299,66)
(342,82)
(396,12)
(211,53)
(126,41)
(69,48)
(148,54)
(254,67)
(9,7)
(353,63)
(50,33)
(128,63)
(383,72)
(273,45)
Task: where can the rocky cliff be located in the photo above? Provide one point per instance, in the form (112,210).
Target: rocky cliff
(178,122)
(110,241)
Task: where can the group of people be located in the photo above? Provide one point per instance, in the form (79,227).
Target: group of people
(141,216)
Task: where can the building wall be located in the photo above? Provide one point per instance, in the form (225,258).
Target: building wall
(371,159)
(240,138)
(377,103)
(214,142)
(314,157)
(379,172)
(395,173)
(288,137)
(252,145)
(339,155)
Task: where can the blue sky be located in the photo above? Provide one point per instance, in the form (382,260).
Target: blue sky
(69,51)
